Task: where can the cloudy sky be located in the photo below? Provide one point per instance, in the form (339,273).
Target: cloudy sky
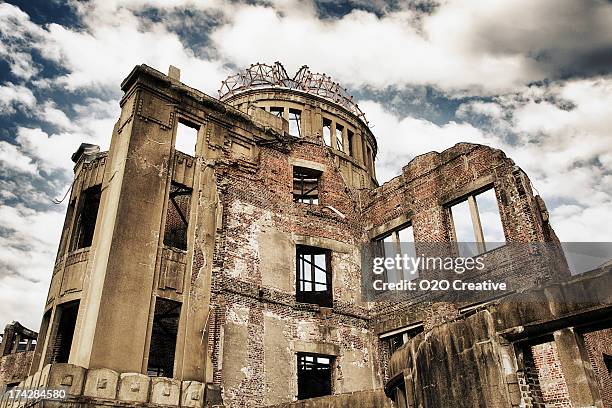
(530,77)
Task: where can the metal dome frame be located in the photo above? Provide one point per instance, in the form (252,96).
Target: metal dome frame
(261,76)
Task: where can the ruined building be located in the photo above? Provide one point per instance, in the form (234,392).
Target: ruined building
(17,345)
(214,256)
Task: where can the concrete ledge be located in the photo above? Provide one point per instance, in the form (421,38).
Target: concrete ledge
(166,391)
(134,387)
(357,399)
(101,383)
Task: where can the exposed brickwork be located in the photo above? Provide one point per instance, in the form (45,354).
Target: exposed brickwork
(551,380)
(598,343)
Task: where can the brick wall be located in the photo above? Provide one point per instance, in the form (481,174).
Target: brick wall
(551,380)
(598,343)
(257,326)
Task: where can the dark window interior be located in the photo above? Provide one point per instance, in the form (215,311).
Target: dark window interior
(177,217)
(398,340)
(163,338)
(67,315)
(608,362)
(86,218)
(277,111)
(306,185)
(313,269)
(351,141)
(314,375)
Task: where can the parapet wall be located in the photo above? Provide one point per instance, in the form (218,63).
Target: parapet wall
(101,387)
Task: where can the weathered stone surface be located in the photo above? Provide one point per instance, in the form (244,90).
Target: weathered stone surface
(165,391)
(133,387)
(192,394)
(101,383)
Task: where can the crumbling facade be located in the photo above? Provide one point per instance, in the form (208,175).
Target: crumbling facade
(17,345)
(214,257)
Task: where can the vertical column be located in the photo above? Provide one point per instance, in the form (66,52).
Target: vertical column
(5,345)
(16,342)
(113,323)
(359,148)
(194,357)
(317,122)
(579,375)
(308,130)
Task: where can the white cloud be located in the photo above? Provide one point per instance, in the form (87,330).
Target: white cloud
(18,34)
(564,144)
(12,159)
(402,139)
(56,117)
(27,253)
(463,46)
(14,97)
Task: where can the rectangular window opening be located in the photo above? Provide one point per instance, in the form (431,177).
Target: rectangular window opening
(85,226)
(368,158)
(186,138)
(66,323)
(339,137)
(295,125)
(398,340)
(314,375)
(306,185)
(351,143)
(477,225)
(277,111)
(163,338)
(314,279)
(399,241)
(327,132)
(177,216)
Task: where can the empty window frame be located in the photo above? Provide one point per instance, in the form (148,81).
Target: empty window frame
(163,338)
(339,137)
(476,223)
(186,138)
(397,242)
(177,216)
(351,143)
(314,276)
(295,124)
(395,341)
(85,222)
(66,317)
(327,124)
(306,185)
(314,374)
(277,111)
(368,159)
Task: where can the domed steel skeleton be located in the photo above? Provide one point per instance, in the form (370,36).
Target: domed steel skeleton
(259,76)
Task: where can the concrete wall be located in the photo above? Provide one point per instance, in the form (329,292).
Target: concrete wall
(502,356)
